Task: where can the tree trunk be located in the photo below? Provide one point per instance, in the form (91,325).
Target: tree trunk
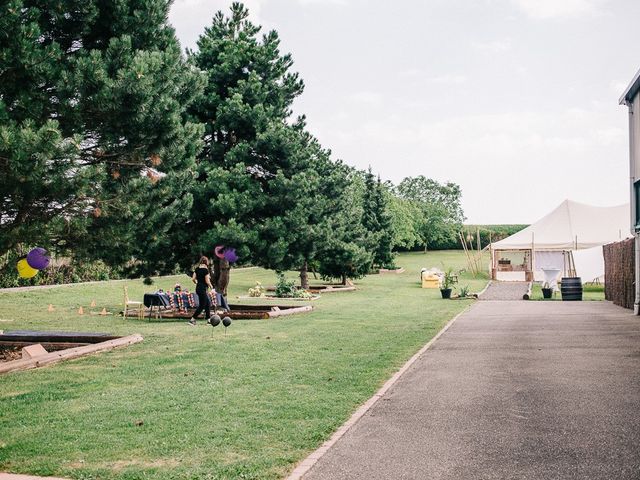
(221,275)
(344,279)
(304,276)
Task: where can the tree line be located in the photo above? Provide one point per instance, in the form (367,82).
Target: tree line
(116,146)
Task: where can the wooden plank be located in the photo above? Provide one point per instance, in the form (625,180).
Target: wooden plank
(71,353)
(332,289)
(291,311)
(4,344)
(52,337)
(245,308)
(386,271)
(242,312)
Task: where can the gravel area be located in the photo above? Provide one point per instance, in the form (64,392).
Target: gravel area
(505,291)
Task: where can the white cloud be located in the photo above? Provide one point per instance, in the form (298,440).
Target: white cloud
(448,79)
(190,17)
(543,9)
(367,98)
(611,136)
(512,167)
(495,46)
(332,2)
(411,73)
(418,76)
(618,87)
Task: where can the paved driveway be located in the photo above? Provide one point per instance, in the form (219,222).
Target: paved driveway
(513,390)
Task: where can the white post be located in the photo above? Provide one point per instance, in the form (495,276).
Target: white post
(533,258)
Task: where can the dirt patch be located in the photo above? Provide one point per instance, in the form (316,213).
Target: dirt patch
(10,354)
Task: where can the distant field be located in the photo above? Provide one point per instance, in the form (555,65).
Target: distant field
(190,403)
(492,233)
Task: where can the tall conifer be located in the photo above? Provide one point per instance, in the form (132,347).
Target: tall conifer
(92,94)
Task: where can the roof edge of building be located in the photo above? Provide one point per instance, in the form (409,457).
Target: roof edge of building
(631,90)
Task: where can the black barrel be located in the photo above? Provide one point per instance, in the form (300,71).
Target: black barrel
(571,288)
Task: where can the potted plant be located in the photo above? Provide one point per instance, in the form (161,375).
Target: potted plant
(547,291)
(448,280)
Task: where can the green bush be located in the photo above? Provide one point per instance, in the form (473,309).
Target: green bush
(287,288)
(71,272)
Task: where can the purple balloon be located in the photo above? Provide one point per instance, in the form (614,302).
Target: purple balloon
(38,259)
(230,255)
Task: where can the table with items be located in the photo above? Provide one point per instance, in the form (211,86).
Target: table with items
(180,301)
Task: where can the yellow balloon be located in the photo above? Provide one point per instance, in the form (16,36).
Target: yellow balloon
(26,271)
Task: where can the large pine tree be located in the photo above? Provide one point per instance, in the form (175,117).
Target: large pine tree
(259,177)
(92,93)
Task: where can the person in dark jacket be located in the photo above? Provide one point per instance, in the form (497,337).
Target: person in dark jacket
(202,278)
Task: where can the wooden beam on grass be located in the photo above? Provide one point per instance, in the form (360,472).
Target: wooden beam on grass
(71,353)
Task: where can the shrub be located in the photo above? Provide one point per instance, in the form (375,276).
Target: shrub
(60,271)
(257,291)
(287,288)
(449,279)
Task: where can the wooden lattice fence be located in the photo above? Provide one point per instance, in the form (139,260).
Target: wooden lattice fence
(619,272)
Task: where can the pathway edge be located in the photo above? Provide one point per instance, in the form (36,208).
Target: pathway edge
(305,465)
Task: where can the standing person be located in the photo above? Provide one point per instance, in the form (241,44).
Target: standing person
(202,278)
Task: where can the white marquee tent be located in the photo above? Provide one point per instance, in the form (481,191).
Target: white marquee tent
(546,244)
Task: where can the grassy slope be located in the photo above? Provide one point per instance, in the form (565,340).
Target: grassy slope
(249,405)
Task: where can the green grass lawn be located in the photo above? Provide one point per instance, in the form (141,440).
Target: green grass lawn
(589,292)
(249,405)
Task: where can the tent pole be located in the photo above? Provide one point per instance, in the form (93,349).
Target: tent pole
(492,259)
(533,249)
(466,251)
(479,258)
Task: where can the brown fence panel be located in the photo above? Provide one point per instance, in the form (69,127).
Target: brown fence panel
(619,272)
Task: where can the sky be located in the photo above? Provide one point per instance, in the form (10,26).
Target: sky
(514,100)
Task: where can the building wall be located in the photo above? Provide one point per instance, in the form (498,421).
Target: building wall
(634,152)
(634,175)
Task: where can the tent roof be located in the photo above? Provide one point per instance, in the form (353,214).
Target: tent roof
(558,230)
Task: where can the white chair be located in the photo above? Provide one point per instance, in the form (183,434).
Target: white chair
(132,305)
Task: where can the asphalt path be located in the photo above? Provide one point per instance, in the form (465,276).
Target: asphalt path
(505,291)
(513,390)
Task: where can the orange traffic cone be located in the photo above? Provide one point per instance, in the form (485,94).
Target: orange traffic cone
(103,312)
(80,311)
(93,303)
(50,309)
